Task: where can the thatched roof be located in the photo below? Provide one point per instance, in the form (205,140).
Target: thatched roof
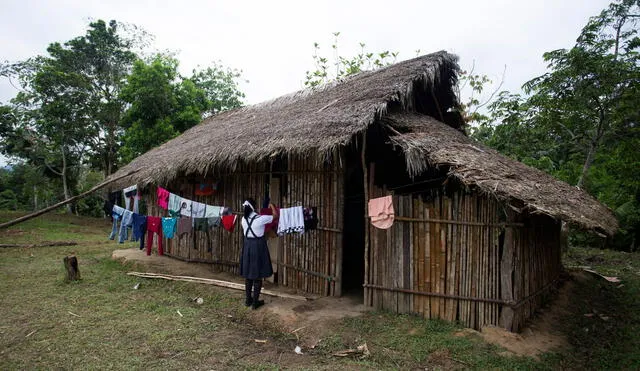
(428,142)
(320,120)
(316,119)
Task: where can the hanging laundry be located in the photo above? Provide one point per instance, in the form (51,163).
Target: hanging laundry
(227,210)
(174,204)
(185,224)
(197,209)
(169,227)
(125,225)
(200,224)
(273,226)
(114,198)
(291,220)
(310,218)
(214,221)
(130,195)
(154,225)
(116,214)
(185,207)
(381,212)
(206,189)
(229,222)
(213,211)
(139,228)
(163,198)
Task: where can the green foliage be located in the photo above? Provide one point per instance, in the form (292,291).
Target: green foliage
(580,120)
(327,69)
(163,104)
(91,103)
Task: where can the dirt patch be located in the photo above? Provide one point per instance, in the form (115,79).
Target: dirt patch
(541,335)
(308,320)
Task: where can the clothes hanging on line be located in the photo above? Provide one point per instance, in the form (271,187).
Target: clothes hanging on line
(200,224)
(185,224)
(131,198)
(174,204)
(116,215)
(139,228)
(291,220)
(163,197)
(169,227)
(213,211)
(273,226)
(310,218)
(125,225)
(381,212)
(213,221)
(229,222)
(197,209)
(185,207)
(154,225)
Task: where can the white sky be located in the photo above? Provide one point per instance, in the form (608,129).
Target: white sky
(272,41)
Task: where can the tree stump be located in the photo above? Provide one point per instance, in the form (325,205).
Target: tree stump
(71,264)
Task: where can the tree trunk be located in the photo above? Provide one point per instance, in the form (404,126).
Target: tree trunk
(71,265)
(587,164)
(65,186)
(35,198)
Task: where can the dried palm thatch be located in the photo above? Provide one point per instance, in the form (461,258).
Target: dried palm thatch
(428,142)
(314,122)
(309,121)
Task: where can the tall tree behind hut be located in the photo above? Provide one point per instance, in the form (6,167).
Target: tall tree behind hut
(162,103)
(580,120)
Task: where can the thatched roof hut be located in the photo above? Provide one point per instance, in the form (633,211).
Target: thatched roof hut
(320,120)
(375,134)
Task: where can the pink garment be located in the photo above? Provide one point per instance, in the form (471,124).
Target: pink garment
(163,198)
(381,212)
(273,226)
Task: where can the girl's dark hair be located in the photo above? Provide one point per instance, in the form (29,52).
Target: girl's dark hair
(248,210)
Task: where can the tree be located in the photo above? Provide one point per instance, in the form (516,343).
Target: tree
(163,104)
(580,119)
(328,70)
(588,95)
(220,87)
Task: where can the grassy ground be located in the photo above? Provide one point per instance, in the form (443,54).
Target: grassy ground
(101,322)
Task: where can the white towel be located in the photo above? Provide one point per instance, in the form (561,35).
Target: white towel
(185,207)
(197,209)
(213,211)
(291,220)
(174,202)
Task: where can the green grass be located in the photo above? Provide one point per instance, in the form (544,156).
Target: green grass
(101,322)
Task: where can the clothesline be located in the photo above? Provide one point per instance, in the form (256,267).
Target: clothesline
(186,215)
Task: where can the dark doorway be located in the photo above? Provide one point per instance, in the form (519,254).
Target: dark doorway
(353,234)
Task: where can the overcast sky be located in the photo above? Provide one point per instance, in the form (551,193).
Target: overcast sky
(272,41)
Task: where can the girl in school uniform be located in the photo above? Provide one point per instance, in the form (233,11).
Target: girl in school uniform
(255,262)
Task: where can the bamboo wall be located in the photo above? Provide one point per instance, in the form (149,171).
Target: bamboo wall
(311,262)
(443,258)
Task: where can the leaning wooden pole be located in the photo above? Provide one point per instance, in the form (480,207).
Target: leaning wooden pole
(367,290)
(62,203)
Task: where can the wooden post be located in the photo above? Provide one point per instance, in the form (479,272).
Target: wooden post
(71,265)
(367,291)
(506,276)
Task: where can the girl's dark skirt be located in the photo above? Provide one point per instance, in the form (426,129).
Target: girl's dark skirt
(255,261)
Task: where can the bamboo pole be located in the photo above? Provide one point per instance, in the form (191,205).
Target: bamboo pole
(62,203)
(209,281)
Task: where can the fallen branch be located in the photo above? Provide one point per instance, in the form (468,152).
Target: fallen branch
(47,244)
(210,281)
